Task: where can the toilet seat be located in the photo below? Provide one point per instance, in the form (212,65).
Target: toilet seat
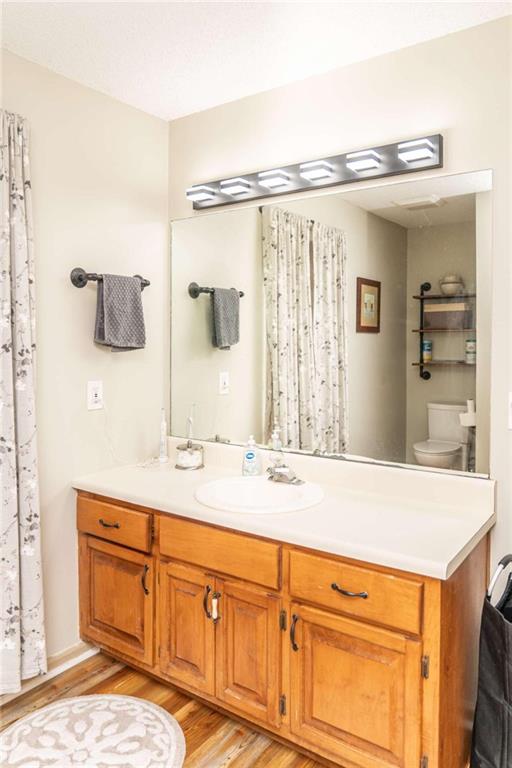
(438,447)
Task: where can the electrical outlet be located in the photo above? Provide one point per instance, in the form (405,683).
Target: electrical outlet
(94,395)
(224,383)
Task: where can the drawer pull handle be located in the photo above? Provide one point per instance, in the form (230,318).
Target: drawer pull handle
(109,525)
(346,593)
(295,619)
(143,579)
(215,607)
(207,591)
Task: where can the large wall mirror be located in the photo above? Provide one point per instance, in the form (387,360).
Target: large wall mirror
(364,325)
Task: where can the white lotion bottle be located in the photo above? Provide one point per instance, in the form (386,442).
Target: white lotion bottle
(251,464)
(163,455)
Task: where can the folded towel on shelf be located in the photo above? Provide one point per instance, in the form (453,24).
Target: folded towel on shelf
(226,317)
(119,314)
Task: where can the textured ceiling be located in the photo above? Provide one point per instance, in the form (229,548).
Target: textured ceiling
(172,59)
(456,190)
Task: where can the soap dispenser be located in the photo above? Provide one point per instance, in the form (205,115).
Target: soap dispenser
(276,455)
(251,464)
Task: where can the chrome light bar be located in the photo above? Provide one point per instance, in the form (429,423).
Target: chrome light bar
(407,156)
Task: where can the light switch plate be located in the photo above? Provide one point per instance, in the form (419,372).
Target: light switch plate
(94,395)
(224,383)
(510,410)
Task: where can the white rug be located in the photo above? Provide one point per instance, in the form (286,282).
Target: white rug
(100,731)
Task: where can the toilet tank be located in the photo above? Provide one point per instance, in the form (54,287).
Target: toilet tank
(444,423)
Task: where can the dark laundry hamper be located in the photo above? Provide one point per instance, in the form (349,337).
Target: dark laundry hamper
(492,732)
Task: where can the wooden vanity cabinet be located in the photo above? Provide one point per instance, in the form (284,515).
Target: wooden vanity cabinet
(248,651)
(355,690)
(221,638)
(117,598)
(359,665)
(187,632)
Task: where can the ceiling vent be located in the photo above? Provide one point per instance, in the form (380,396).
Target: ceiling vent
(421,203)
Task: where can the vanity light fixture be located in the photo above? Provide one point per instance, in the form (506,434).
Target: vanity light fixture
(236,186)
(419,149)
(200,193)
(316,170)
(374,162)
(363,161)
(274,179)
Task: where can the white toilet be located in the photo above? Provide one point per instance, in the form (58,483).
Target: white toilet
(447,443)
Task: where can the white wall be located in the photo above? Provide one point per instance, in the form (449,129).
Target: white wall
(484,282)
(432,252)
(99,179)
(376,249)
(459,85)
(221,250)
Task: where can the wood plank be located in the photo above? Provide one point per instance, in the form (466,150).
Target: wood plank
(74,682)
(213,739)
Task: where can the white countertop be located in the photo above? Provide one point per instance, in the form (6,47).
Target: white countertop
(422,522)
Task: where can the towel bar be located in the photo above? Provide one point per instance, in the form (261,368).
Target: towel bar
(194,290)
(79,277)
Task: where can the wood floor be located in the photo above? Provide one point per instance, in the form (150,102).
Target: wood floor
(213,740)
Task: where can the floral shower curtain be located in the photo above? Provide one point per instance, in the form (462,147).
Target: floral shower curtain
(306,334)
(22,637)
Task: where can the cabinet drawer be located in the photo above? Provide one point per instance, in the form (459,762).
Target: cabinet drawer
(223,551)
(390,600)
(118,524)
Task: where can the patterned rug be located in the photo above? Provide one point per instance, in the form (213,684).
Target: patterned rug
(101,731)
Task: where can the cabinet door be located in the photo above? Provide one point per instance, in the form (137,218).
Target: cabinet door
(355,690)
(187,630)
(248,650)
(116,598)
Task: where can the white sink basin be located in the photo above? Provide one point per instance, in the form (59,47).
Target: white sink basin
(257,495)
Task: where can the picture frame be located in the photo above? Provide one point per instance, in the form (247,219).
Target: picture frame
(368,305)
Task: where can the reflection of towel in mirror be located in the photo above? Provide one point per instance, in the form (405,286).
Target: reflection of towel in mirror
(226,317)
(119,315)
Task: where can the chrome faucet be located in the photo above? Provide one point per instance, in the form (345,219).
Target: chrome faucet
(281,473)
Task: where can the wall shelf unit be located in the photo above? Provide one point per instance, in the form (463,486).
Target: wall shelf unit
(423,296)
(444,330)
(445,362)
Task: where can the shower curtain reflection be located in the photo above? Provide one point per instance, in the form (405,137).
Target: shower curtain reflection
(304,265)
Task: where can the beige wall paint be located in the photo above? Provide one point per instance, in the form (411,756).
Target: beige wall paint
(376,249)
(221,250)
(433,252)
(484,280)
(99,178)
(459,85)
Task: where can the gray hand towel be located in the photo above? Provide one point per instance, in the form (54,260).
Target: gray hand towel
(226,317)
(119,315)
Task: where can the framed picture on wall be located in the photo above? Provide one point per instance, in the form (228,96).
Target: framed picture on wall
(368,306)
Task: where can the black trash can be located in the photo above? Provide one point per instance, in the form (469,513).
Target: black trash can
(492,731)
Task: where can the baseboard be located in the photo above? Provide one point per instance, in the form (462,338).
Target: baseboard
(57,664)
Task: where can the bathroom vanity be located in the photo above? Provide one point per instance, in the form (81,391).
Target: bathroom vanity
(349,629)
